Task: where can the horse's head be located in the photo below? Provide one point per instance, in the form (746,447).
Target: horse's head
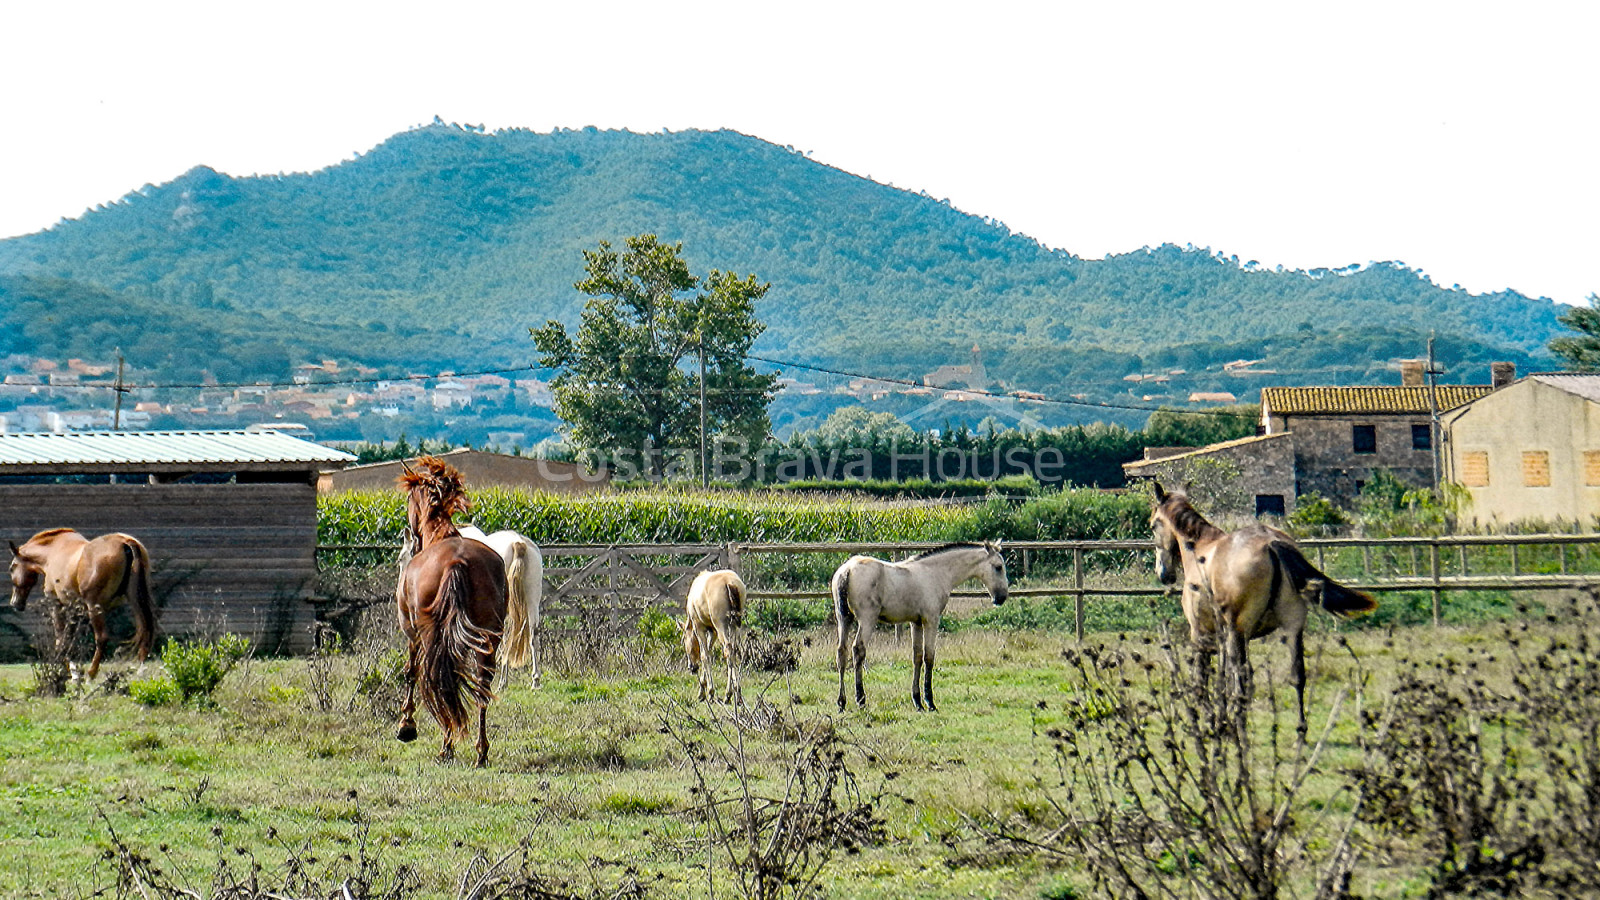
(24,575)
(1168,558)
(433,496)
(993,573)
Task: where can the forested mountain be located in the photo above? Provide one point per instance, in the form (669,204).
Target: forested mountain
(444,244)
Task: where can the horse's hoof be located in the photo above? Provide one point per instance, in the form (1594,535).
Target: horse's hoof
(408,733)
(482,763)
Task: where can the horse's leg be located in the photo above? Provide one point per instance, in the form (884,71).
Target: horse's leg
(930,635)
(483,736)
(864,627)
(702,637)
(97,621)
(536,639)
(448,751)
(408,722)
(839,657)
(916,664)
(62,641)
(1297,674)
(730,649)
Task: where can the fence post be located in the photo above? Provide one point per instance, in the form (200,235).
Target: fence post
(1077,599)
(1439,593)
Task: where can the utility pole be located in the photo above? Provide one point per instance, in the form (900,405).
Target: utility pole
(705,477)
(119,390)
(1433,413)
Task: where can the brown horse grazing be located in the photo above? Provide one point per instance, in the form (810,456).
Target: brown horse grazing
(1244,584)
(716,604)
(452,604)
(97,575)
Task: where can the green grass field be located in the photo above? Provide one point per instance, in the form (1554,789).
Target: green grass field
(581,775)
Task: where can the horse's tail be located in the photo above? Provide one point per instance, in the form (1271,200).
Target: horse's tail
(736,591)
(841,599)
(136,584)
(452,650)
(1335,597)
(522,610)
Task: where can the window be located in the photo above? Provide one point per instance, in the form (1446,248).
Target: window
(1475,468)
(1591,468)
(1269,504)
(1421,437)
(1536,468)
(1364,438)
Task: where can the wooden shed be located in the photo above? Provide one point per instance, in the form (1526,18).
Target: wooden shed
(229,517)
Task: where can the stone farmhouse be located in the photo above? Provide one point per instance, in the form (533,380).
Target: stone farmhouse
(1336,437)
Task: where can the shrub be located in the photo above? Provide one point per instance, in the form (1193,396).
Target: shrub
(198,667)
(657,627)
(153,691)
(788,613)
(1315,514)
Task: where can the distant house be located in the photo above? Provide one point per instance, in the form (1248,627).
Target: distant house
(972,375)
(481,469)
(1529,451)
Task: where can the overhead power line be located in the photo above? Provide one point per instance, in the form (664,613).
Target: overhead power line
(1092,404)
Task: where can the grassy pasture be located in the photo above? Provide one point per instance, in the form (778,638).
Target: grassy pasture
(581,773)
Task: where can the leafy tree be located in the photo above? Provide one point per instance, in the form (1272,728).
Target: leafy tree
(1583,350)
(625,381)
(1180,428)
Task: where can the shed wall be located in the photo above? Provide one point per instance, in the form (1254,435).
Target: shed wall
(226,558)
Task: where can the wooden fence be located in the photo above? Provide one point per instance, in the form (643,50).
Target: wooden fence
(625,580)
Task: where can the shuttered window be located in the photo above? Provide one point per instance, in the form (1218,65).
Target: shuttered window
(1475,468)
(1536,468)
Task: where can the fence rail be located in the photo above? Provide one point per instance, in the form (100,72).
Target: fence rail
(1437,565)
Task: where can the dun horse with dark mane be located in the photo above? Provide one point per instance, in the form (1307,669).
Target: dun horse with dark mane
(97,575)
(1244,585)
(452,603)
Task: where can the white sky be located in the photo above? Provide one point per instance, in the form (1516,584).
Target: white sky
(1458,137)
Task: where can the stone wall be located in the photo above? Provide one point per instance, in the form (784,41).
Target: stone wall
(1327,463)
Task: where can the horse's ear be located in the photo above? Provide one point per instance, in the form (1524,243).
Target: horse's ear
(1161,494)
(14,550)
(407,466)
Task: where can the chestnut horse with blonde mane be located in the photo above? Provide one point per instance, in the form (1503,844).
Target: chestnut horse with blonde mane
(97,575)
(452,605)
(1243,585)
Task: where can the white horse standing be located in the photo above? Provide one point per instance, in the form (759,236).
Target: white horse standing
(525,590)
(715,605)
(867,591)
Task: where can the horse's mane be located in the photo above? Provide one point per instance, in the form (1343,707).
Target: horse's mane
(48,533)
(445,492)
(958,545)
(1186,520)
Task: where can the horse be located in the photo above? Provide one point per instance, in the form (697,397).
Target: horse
(867,591)
(715,605)
(1244,585)
(524,566)
(95,574)
(451,600)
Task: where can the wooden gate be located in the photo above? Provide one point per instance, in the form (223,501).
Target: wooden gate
(623,580)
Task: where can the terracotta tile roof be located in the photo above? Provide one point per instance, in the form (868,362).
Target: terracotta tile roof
(1365,399)
(1132,468)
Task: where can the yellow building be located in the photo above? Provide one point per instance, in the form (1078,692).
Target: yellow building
(1529,451)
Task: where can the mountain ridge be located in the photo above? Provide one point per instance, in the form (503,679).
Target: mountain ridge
(450,232)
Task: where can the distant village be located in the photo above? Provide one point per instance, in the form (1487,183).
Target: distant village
(80,396)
